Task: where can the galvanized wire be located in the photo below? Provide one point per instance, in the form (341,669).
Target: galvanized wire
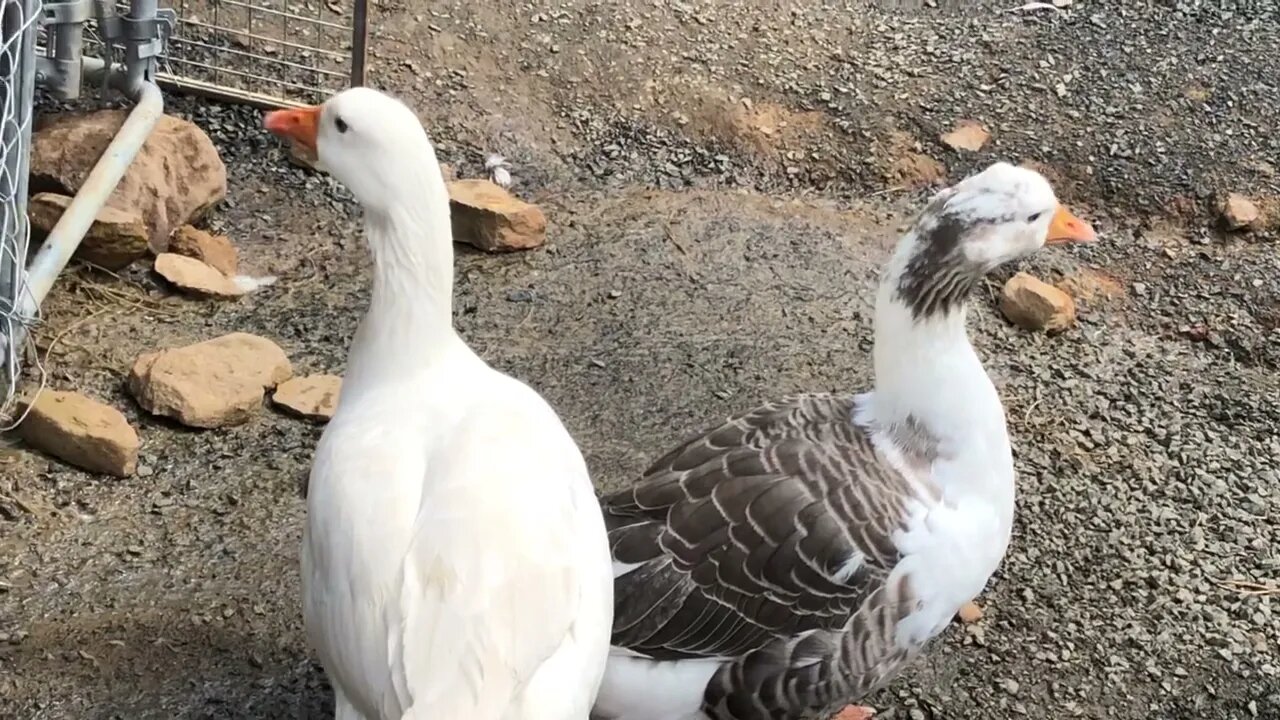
(261,51)
(17,68)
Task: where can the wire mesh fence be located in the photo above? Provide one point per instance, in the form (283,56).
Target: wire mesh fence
(279,49)
(263,52)
(18,19)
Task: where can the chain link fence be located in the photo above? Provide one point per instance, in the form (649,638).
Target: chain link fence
(18,22)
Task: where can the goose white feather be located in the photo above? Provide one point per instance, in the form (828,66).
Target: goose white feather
(454,559)
(797,557)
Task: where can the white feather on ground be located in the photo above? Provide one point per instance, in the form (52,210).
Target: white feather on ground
(249,284)
(499,170)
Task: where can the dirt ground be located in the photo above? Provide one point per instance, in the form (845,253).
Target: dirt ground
(723,180)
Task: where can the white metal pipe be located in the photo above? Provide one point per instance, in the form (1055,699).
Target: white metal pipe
(65,237)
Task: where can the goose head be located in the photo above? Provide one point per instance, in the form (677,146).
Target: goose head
(370,142)
(998,215)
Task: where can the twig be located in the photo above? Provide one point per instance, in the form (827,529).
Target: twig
(1026,416)
(886,191)
(1248,588)
(49,349)
(684,252)
(672,237)
(42,364)
(1035,6)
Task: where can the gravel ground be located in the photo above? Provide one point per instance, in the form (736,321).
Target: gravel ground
(716,238)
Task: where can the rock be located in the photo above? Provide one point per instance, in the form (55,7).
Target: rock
(492,219)
(192,276)
(175,178)
(1197,332)
(969,613)
(448,172)
(215,383)
(115,239)
(214,250)
(967,135)
(304,157)
(1036,305)
(314,397)
(1240,213)
(80,431)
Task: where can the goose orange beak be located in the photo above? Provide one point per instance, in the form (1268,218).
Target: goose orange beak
(299,125)
(1067,228)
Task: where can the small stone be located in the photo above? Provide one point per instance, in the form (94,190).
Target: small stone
(115,239)
(967,135)
(303,156)
(1010,686)
(1240,213)
(195,277)
(215,383)
(1198,332)
(214,250)
(314,397)
(969,613)
(492,219)
(80,431)
(1036,305)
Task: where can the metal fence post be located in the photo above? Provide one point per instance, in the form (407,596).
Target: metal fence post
(59,69)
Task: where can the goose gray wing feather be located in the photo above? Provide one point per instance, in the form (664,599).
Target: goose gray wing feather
(758,542)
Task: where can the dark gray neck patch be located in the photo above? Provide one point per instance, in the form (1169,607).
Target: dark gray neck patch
(937,278)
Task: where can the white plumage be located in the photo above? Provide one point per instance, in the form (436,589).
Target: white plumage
(454,560)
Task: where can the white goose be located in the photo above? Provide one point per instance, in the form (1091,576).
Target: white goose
(795,558)
(454,561)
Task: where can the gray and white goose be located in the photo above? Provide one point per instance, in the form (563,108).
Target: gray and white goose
(795,558)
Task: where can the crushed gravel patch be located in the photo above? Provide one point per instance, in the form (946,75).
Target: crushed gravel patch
(706,254)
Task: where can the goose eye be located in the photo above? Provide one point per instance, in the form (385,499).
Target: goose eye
(340,124)
(1035,217)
